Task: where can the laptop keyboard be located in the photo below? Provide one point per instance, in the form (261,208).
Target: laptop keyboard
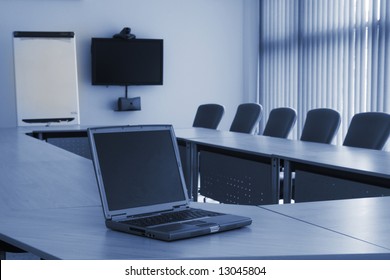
(172,217)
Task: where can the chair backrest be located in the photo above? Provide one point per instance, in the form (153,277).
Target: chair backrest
(208,116)
(280,122)
(368,130)
(246,118)
(321,125)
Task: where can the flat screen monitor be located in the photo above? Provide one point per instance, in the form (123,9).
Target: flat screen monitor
(127,62)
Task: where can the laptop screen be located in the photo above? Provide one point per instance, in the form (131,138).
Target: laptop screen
(138,168)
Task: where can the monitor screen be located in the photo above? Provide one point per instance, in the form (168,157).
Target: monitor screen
(127,62)
(138,168)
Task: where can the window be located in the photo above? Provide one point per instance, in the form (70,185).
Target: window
(325,53)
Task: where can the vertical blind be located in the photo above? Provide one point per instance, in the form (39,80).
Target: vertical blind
(324,54)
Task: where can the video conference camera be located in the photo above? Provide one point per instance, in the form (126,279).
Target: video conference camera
(125,34)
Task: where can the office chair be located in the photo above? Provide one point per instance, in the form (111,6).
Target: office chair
(246,118)
(368,130)
(280,122)
(321,125)
(208,116)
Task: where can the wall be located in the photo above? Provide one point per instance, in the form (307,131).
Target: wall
(210,54)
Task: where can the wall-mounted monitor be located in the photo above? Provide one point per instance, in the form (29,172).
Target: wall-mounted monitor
(127,62)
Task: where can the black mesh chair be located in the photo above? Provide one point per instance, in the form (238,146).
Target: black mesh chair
(208,116)
(246,118)
(280,122)
(368,130)
(321,125)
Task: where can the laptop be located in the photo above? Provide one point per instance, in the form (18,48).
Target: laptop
(142,188)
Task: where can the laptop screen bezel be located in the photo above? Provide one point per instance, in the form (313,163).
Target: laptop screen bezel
(123,213)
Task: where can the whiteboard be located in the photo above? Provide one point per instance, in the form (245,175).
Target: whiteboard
(46,78)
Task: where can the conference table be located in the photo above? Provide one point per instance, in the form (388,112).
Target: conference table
(319,171)
(354,218)
(77,233)
(236,166)
(50,206)
(36,175)
(250,166)
(225,159)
